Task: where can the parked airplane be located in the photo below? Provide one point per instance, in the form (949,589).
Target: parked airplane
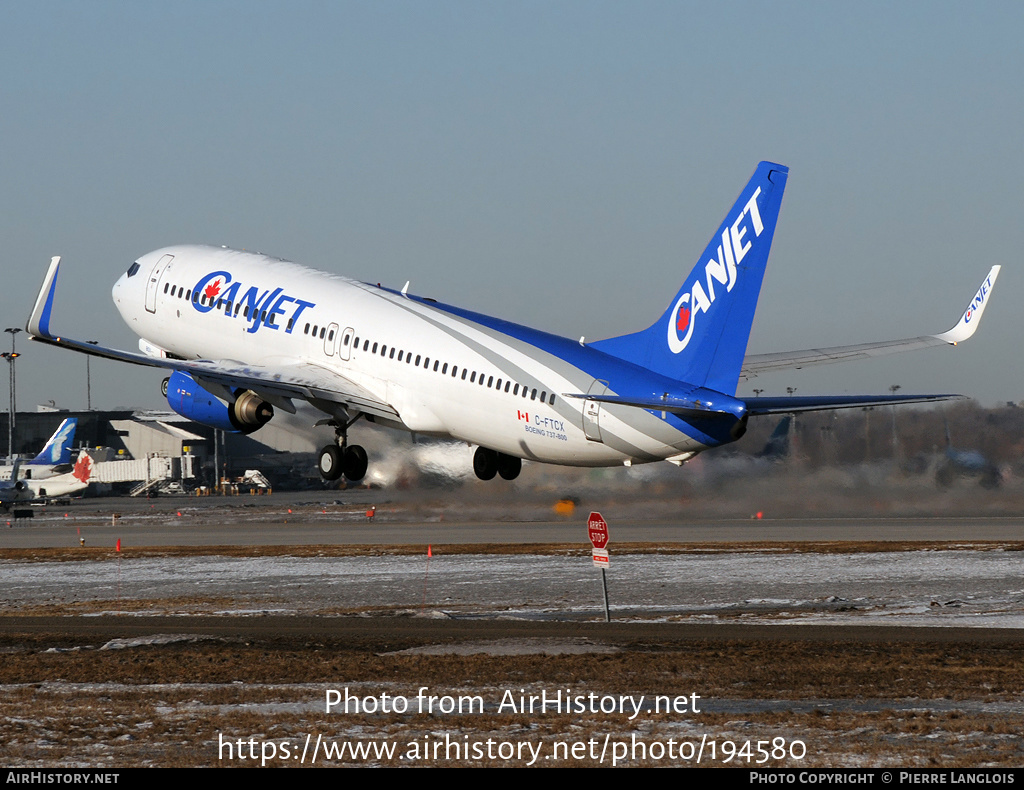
(53,459)
(966,463)
(14,490)
(245,333)
(778,446)
(18,490)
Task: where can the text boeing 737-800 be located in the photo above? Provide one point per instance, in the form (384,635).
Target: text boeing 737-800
(245,333)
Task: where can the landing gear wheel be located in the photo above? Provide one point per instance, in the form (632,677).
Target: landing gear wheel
(163,386)
(509,466)
(330,462)
(355,463)
(485,463)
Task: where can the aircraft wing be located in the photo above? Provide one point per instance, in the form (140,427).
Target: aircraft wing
(278,381)
(754,364)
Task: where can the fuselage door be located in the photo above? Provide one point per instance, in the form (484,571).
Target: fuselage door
(345,349)
(331,339)
(155,277)
(592,411)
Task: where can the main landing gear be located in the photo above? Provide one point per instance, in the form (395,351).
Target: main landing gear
(336,461)
(342,459)
(488,463)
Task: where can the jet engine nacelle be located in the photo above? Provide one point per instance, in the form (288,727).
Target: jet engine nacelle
(248,413)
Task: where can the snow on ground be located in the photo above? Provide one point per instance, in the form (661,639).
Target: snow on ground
(933,588)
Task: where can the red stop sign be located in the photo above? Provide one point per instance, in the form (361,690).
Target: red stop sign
(597,527)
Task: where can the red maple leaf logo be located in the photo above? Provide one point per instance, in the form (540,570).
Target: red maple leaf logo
(684,318)
(212,290)
(83,468)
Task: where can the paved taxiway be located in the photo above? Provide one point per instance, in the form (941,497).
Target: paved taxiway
(266,521)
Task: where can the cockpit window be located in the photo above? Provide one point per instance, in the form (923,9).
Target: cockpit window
(133,269)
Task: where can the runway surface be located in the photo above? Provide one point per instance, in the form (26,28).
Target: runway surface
(266,521)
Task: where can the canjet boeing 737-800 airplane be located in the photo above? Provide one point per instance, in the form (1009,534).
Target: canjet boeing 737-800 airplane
(245,334)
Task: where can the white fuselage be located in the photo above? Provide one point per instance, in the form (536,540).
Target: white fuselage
(444,372)
(32,471)
(29,490)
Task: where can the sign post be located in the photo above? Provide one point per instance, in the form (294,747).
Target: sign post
(597,530)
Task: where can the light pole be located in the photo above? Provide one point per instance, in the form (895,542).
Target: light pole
(895,438)
(794,441)
(88,378)
(867,432)
(12,331)
(10,356)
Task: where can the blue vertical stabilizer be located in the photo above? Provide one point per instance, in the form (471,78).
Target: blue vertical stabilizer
(58,448)
(702,336)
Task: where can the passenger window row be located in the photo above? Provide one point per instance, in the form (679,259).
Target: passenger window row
(222,304)
(464,374)
(322,332)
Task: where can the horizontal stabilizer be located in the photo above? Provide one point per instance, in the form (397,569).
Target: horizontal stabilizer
(789,405)
(684,407)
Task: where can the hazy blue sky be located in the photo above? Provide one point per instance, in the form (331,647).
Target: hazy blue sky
(559,164)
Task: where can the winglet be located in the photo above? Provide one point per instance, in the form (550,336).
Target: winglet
(967,325)
(39,321)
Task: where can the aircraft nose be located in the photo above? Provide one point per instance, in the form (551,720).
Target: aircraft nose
(121,286)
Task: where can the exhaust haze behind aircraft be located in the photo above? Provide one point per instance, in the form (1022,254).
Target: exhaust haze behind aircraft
(243,334)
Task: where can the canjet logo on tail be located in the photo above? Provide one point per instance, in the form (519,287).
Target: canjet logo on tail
(721,269)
